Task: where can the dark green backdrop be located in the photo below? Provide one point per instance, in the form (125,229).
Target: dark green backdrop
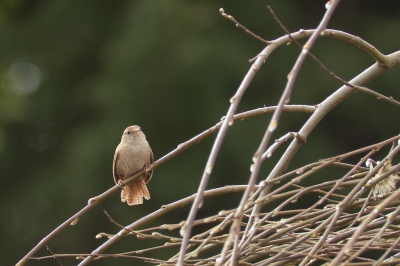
(75,73)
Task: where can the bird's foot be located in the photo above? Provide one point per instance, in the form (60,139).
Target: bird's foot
(121,184)
(147,168)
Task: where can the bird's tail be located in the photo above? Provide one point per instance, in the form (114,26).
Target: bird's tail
(134,193)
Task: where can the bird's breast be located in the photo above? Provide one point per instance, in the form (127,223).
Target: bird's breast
(131,159)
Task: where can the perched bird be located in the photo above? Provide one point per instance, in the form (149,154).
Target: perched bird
(132,155)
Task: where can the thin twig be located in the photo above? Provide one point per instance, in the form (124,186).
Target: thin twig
(284,99)
(278,142)
(103,256)
(376,236)
(117,224)
(378,209)
(152,216)
(54,256)
(271,128)
(235,100)
(323,108)
(333,75)
(231,18)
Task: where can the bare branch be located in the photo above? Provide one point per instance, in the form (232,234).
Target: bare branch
(164,209)
(344,82)
(55,257)
(195,140)
(231,18)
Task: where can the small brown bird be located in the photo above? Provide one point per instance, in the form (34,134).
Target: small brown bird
(132,155)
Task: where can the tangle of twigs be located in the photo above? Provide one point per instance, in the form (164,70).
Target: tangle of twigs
(350,218)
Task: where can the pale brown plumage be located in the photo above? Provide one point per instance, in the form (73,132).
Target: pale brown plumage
(132,155)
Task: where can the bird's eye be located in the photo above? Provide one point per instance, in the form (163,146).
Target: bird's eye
(127,132)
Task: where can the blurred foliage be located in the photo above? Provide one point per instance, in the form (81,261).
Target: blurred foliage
(75,73)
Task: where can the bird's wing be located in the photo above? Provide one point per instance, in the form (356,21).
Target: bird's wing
(115,174)
(149,174)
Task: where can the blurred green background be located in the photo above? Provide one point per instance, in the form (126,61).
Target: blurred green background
(75,74)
